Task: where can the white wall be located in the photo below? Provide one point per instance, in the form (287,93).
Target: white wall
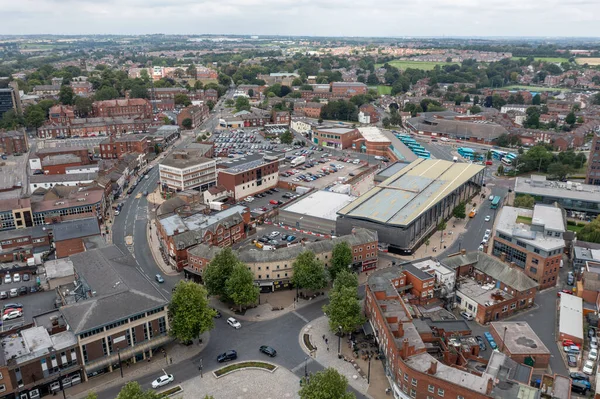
(83,169)
(251,188)
(35,163)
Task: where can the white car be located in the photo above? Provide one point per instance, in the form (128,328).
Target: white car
(12,315)
(488,232)
(491,197)
(16,278)
(593,355)
(488,218)
(249,199)
(274,234)
(7,279)
(163,380)
(480,249)
(588,367)
(234,323)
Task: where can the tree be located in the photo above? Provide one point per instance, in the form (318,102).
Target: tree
(558,170)
(344,309)
(182,99)
(83,106)
(459,211)
(341,258)
(133,390)
(224,79)
(240,286)
(570,118)
(345,278)
(242,103)
(191,71)
(286,137)
(210,104)
(187,123)
(189,313)
(524,201)
(138,91)
(441,227)
(475,109)
(590,232)
(500,170)
(326,384)
(309,272)
(218,271)
(488,156)
(92,395)
(372,80)
(106,93)
(297,82)
(66,95)
(536,100)
(427,242)
(35,116)
(386,122)
(251,93)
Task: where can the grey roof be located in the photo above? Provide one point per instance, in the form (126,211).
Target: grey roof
(418,273)
(511,378)
(63,178)
(543,217)
(192,159)
(175,223)
(494,268)
(455,128)
(390,170)
(75,229)
(116,289)
(539,186)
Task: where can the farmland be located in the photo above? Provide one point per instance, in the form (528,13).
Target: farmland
(545,59)
(589,61)
(533,88)
(423,65)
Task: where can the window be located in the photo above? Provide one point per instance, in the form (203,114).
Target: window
(2,388)
(406,377)
(440,392)
(535,261)
(414,382)
(460,397)
(413,393)
(537,251)
(513,306)
(504,308)
(521,244)
(431,388)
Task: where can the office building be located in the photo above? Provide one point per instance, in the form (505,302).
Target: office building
(184,170)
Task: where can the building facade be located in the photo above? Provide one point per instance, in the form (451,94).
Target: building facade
(127,107)
(13,142)
(244,179)
(117,147)
(196,113)
(339,138)
(184,170)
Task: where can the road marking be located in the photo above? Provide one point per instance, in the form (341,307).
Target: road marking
(300,316)
(298,367)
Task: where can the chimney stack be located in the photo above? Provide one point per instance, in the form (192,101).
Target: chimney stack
(432,368)
(463,251)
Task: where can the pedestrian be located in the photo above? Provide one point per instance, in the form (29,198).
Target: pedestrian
(323,337)
(171,360)
(326,341)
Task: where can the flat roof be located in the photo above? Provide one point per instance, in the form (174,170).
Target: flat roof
(571,316)
(538,185)
(335,130)
(175,223)
(193,158)
(411,191)
(482,296)
(520,338)
(374,134)
(507,224)
(320,204)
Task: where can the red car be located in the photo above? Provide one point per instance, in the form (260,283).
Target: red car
(273,202)
(568,342)
(564,292)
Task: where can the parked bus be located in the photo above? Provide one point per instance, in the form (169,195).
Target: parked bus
(495,202)
(422,154)
(509,158)
(466,152)
(497,154)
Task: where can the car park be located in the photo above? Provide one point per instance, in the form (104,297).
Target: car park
(267,350)
(162,380)
(234,323)
(227,356)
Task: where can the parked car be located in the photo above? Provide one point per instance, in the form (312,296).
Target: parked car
(593,354)
(591,332)
(568,342)
(570,278)
(227,356)
(218,314)
(159,279)
(572,360)
(572,349)
(12,305)
(267,350)
(234,323)
(12,315)
(481,343)
(559,293)
(274,234)
(23,290)
(273,202)
(580,386)
(488,218)
(466,315)
(7,279)
(33,289)
(291,238)
(588,367)
(26,277)
(576,375)
(3,295)
(162,380)
(13,293)
(594,343)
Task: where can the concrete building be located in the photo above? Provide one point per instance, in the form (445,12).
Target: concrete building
(584,252)
(368,114)
(184,170)
(572,196)
(445,277)
(408,206)
(518,340)
(316,211)
(10,99)
(533,240)
(248,175)
(113,311)
(273,270)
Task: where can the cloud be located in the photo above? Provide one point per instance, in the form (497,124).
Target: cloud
(305,17)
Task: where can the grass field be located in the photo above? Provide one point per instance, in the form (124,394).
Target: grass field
(589,61)
(424,65)
(382,90)
(533,88)
(546,59)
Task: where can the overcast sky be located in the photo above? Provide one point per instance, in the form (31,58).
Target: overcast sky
(304,17)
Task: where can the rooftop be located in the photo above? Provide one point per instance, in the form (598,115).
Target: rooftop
(73,177)
(185,159)
(176,224)
(373,134)
(245,163)
(511,378)
(454,128)
(482,294)
(513,223)
(336,130)
(538,185)
(411,191)
(520,338)
(571,316)
(59,268)
(77,228)
(35,342)
(114,287)
(320,204)
(432,266)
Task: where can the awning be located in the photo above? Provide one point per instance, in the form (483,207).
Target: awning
(367,328)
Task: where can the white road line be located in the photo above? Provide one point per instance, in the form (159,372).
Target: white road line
(300,316)
(298,367)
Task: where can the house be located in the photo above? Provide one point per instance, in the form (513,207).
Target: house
(196,113)
(368,114)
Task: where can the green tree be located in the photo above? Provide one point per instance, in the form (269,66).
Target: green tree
(343,309)
(191,71)
(345,278)
(460,211)
(92,395)
(558,170)
(570,118)
(242,103)
(386,122)
(500,170)
(182,99)
(83,106)
(189,313)
(309,272)
(326,384)
(427,242)
(229,102)
(524,201)
(46,105)
(218,271)
(133,390)
(138,91)
(286,137)
(441,227)
(187,123)
(297,82)
(372,80)
(35,116)
(488,156)
(66,95)
(475,109)
(210,104)
(251,93)
(224,80)
(590,232)
(536,100)
(341,258)
(240,286)
(106,93)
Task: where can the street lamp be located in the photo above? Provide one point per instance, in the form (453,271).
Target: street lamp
(305,368)
(369,370)
(339,340)
(120,364)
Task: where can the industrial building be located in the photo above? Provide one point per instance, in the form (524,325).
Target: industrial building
(406,208)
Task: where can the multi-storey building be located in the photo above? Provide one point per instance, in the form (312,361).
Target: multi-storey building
(253,174)
(46,90)
(273,270)
(348,89)
(10,99)
(335,137)
(117,147)
(116,315)
(15,213)
(368,114)
(24,243)
(13,142)
(593,169)
(280,117)
(196,113)
(184,170)
(82,88)
(308,109)
(61,114)
(532,240)
(80,152)
(128,107)
(76,203)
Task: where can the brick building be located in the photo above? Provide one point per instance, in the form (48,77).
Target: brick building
(518,340)
(59,164)
(24,243)
(206,73)
(250,176)
(119,314)
(280,117)
(62,114)
(368,114)
(125,107)
(90,127)
(348,89)
(211,95)
(339,138)
(163,93)
(593,168)
(80,152)
(373,142)
(533,240)
(13,142)
(196,113)
(69,236)
(421,284)
(67,203)
(83,89)
(308,109)
(117,147)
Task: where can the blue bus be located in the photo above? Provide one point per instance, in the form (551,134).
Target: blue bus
(509,158)
(422,154)
(495,202)
(466,152)
(497,154)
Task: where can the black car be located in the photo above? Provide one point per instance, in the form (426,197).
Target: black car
(580,386)
(12,305)
(218,314)
(26,277)
(576,375)
(263,240)
(591,332)
(23,290)
(33,289)
(267,350)
(227,356)
(481,343)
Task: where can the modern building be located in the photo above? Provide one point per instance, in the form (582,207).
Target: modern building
(315,211)
(273,270)
(10,99)
(13,142)
(533,240)
(489,289)
(518,340)
(15,213)
(184,170)
(116,314)
(584,252)
(572,196)
(117,147)
(407,207)
(248,175)
(339,138)
(76,203)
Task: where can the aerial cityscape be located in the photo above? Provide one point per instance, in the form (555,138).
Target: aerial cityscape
(198,204)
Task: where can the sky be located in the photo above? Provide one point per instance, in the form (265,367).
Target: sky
(371,18)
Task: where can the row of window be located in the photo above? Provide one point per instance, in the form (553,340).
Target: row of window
(119,323)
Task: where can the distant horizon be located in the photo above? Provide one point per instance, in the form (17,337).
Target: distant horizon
(317,18)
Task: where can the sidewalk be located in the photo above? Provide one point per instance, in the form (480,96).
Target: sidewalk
(355,371)
(152,237)
(174,351)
